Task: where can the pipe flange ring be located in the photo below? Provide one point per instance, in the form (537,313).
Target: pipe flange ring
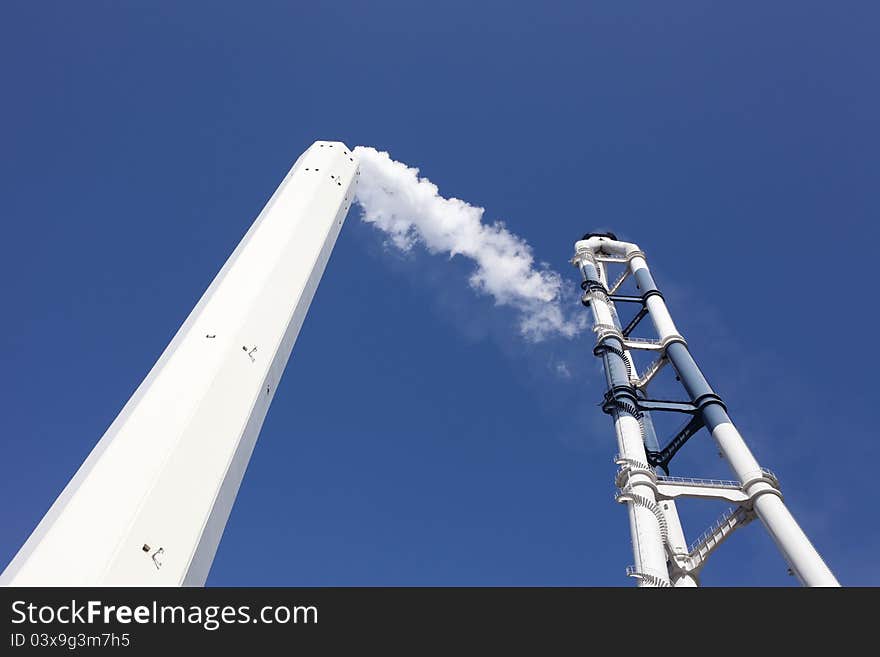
(638,253)
(669,339)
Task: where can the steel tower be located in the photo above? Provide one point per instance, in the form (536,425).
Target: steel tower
(662,557)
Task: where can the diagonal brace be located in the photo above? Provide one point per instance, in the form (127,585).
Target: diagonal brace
(662,458)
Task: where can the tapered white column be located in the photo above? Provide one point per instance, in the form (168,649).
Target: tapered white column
(149,504)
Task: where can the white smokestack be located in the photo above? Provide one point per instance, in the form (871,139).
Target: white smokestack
(410,210)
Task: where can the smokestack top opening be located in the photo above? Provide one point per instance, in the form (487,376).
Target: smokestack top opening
(609,235)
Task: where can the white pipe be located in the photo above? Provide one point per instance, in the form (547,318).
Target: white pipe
(675,532)
(803,557)
(647,539)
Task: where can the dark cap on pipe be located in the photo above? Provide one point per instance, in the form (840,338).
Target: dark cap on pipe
(610,236)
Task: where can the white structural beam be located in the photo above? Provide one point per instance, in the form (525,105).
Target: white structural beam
(149,504)
(669,488)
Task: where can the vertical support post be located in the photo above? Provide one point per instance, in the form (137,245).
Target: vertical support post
(647,524)
(802,556)
(675,538)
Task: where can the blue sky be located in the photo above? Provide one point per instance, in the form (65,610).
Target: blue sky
(416,439)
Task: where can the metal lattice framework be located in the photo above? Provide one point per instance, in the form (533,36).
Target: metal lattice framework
(662,556)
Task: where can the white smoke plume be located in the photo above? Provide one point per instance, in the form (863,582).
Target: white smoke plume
(410,210)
